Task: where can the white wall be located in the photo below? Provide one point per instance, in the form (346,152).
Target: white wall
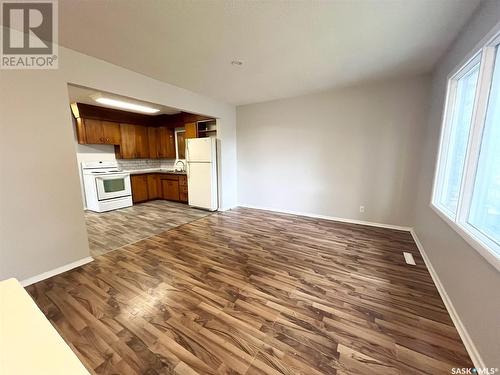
(331,152)
(42,225)
(470,281)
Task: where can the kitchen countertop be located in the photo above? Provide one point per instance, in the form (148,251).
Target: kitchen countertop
(153,170)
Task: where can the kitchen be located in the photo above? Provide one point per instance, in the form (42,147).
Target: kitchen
(144,168)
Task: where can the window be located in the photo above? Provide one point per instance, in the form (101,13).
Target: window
(467,184)
(484,212)
(463,90)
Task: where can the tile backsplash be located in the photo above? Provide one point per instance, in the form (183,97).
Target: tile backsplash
(135,164)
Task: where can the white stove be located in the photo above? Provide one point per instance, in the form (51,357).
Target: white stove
(106,186)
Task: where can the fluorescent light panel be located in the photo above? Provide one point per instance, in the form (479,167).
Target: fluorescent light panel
(126,105)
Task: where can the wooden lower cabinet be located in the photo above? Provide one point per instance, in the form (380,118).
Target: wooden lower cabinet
(170,188)
(139,184)
(154,187)
(166,186)
(183,189)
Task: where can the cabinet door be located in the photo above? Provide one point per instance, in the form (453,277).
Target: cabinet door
(183,189)
(93,131)
(161,133)
(128,142)
(141,139)
(181,145)
(170,144)
(153,142)
(111,132)
(167,143)
(139,184)
(170,189)
(153,188)
(191,130)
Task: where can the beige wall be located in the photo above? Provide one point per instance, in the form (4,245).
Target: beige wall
(329,153)
(41,223)
(470,281)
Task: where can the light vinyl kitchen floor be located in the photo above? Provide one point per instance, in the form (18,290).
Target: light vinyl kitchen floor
(111,230)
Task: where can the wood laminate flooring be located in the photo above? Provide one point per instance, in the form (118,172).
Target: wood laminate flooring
(111,230)
(254,292)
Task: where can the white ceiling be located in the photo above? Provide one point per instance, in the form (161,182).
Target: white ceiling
(79,94)
(288,47)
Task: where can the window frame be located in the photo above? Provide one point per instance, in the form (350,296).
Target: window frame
(485,54)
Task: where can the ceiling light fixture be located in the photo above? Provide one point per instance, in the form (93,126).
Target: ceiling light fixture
(124,105)
(237,62)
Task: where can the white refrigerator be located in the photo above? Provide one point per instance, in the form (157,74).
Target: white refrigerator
(201,159)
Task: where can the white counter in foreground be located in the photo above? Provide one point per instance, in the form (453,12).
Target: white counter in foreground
(28,342)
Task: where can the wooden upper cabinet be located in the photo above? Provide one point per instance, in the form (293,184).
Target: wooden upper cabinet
(170,144)
(142,144)
(166,143)
(93,131)
(134,142)
(191,130)
(128,149)
(90,131)
(181,144)
(154,143)
(111,132)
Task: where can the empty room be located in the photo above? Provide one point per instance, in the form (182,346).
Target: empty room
(250,187)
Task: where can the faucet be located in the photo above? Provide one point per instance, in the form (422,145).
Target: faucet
(183,166)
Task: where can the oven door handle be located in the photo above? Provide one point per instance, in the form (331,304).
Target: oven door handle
(112,177)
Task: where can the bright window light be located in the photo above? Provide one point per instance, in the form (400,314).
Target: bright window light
(463,91)
(125,105)
(467,183)
(484,212)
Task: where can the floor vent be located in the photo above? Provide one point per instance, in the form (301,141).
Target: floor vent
(409,258)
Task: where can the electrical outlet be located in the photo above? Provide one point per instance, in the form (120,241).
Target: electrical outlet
(361,208)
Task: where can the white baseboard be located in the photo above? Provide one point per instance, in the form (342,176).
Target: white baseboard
(332,218)
(222,209)
(56,271)
(464,335)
